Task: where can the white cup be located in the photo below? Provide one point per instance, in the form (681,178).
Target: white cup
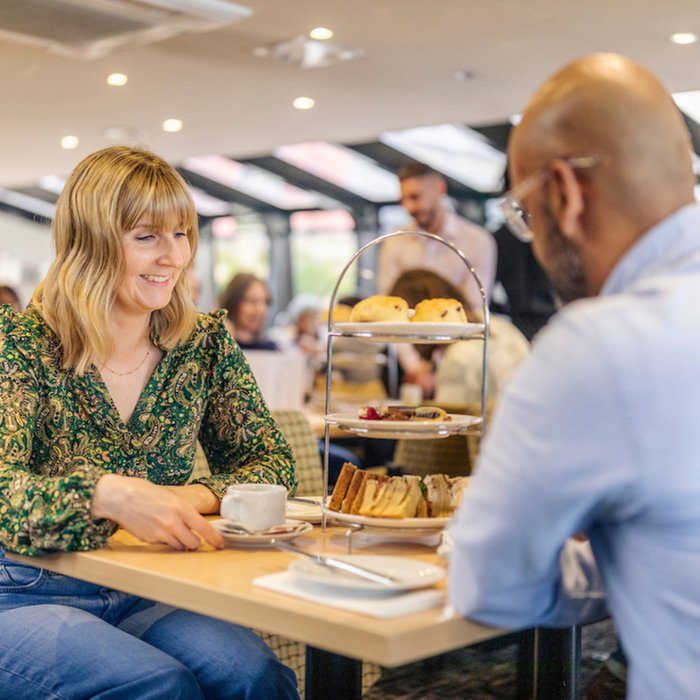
(410,394)
(255,506)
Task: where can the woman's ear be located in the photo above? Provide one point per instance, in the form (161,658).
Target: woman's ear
(565,197)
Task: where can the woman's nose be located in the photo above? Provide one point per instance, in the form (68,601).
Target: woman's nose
(175,251)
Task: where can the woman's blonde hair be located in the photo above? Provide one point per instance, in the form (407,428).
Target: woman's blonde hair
(109,193)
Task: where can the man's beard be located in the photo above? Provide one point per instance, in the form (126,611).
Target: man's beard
(564,267)
(427,218)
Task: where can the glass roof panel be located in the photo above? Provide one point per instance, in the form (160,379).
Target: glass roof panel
(454,150)
(207,205)
(343,168)
(256,182)
(27,203)
(689,103)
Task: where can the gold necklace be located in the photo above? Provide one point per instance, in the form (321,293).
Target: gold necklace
(131,371)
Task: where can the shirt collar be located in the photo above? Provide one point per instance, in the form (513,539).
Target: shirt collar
(674,238)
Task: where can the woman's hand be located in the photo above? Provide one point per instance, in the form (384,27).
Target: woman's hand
(198,496)
(152,513)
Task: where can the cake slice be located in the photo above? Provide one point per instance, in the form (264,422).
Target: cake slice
(356,506)
(341,486)
(438,495)
(356,482)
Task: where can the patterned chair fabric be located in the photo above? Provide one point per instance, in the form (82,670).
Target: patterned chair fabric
(454,455)
(296,429)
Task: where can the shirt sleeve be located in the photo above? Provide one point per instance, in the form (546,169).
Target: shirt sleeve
(481,250)
(38,513)
(388,266)
(557,461)
(239,436)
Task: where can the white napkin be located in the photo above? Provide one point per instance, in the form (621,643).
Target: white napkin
(372,603)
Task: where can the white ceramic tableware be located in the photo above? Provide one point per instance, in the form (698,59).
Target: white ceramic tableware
(409,573)
(283,533)
(257,507)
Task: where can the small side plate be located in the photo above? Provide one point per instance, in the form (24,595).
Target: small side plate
(232,536)
(411,573)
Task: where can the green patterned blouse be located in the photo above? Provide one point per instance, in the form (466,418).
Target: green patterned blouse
(59,433)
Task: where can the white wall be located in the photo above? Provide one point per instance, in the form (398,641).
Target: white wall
(25,253)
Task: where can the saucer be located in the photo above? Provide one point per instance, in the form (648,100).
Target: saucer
(281,533)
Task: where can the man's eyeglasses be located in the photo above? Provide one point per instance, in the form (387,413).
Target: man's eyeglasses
(516,218)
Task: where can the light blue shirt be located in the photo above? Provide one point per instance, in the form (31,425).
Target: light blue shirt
(599,431)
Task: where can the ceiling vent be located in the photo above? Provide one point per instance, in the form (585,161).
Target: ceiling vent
(94,28)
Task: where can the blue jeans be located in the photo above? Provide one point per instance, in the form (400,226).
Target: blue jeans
(61,639)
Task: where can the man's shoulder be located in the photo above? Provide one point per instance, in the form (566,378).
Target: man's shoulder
(457,226)
(615,331)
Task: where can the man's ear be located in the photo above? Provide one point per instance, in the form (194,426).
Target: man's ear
(565,197)
(441,186)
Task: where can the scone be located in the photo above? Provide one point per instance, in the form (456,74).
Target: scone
(439,311)
(341,314)
(380,308)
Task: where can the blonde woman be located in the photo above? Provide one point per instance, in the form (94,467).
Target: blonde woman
(109,377)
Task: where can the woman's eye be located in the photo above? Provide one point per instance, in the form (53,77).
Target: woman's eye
(145,236)
(180,234)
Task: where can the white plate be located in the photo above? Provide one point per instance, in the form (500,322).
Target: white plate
(411,573)
(311,512)
(388,523)
(429,333)
(397,429)
(262,538)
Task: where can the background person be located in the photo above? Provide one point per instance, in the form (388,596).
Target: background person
(9,296)
(115,375)
(597,432)
(247,300)
(453,372)
(423,195)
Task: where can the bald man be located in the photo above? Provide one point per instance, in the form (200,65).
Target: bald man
(598,432)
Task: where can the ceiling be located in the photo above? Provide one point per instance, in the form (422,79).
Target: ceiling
(235,103)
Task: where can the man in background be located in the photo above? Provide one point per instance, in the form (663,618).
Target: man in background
(597,432)
(423,196)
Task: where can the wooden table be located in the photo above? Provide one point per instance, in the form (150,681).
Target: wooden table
(219,583)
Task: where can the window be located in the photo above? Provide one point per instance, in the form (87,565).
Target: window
(240,244)
(321,244)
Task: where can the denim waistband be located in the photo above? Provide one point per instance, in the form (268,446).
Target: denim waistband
(22,585)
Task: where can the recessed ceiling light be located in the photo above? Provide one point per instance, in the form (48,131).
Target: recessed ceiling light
(117,79)
(684,38)
(321,33)
(172,125)
(303,103)
(69,142)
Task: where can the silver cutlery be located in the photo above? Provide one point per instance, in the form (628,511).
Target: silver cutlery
(339,564)
(330,562)
(301,499)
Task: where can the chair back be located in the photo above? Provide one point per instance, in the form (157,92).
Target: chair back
(454,455)
(295,427)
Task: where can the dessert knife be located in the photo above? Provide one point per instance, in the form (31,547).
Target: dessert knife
(340,564)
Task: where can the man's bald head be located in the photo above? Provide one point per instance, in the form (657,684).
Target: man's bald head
(607,105)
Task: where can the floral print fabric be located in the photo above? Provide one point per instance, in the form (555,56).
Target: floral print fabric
(59,433)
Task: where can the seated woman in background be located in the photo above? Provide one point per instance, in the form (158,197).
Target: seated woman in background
(115,376)
(247,299)
(9,296)
(453,372)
